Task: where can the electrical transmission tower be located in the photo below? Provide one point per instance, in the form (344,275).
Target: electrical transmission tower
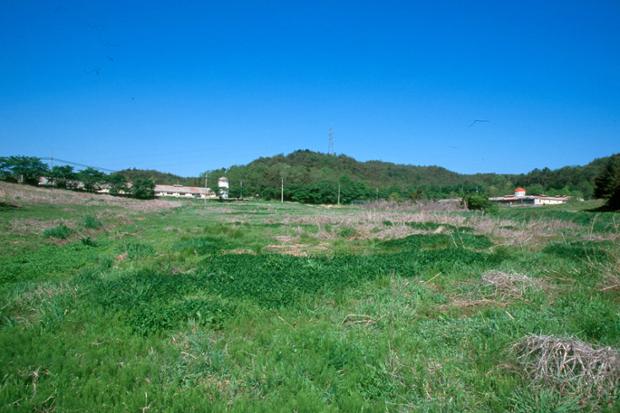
(330,142)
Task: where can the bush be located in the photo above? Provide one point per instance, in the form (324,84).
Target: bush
(61,232)
(91,222)
(143,188)
(476,202)
(89,242)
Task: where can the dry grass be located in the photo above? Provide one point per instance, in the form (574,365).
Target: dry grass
(35,226)
(570,365)
(18,194)
(509,285)
(466,305)
(239,251)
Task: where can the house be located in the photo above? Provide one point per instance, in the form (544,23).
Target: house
(180,191)
(521,198)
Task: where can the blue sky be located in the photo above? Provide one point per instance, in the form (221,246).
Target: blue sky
(190,86)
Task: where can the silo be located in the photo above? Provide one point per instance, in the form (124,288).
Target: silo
(222,185)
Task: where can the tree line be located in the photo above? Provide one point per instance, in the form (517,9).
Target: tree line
(29,170)
(314,177)
(318,178)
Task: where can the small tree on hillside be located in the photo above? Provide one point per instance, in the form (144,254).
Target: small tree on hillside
(62,175)
(143,188)
(91,178)
(118,184)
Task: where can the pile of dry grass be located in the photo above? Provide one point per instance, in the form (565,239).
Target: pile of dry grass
(570,365)
(506,284)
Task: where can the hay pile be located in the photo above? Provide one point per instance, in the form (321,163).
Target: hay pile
(512,285)
(570,365)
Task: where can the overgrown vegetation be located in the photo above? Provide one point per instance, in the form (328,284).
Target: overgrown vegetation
(260,306)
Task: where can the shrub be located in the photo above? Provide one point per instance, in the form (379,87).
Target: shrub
(143,188)
(88,241)
(61,232)
(475,202)
(91,222)
(347,232)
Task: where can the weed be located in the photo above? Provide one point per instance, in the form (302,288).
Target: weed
(60,232)
(92,222)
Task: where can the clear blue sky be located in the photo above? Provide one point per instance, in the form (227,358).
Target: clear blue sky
(188,86)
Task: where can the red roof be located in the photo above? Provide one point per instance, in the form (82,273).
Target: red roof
(519,189)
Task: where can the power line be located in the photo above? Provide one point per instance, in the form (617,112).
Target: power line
(81,165)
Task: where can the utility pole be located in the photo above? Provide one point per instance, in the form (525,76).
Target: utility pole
(206,187)
(282,191)
(377,194)
(338,193)
(241,194)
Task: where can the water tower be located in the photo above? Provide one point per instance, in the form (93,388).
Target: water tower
(222,185)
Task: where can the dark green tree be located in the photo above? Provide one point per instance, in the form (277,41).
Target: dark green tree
(143,188)
(62,176)
(606,182)
(118,184)
(91,178)
(22,169)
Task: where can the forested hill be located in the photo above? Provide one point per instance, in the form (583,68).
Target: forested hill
(313,177)
(162,178)
(315,171)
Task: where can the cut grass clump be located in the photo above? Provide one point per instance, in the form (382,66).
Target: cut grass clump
(59,232)
(570,365)
(91,222)
(505,284)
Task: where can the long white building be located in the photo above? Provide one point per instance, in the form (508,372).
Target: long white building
(520,198)
(180,191)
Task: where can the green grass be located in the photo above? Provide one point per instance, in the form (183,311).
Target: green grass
(189,310)
(59,232)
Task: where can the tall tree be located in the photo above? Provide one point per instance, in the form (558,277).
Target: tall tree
(91,178)
(23,169)
(62,176)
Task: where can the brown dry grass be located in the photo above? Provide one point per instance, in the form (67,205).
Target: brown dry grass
(17,194)
(570,365)
(509,285)
(35,226)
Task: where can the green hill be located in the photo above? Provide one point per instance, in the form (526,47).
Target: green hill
(314,177)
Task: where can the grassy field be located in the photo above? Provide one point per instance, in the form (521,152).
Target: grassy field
(110,305)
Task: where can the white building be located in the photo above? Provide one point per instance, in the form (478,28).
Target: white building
(521,198)
(180,191)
